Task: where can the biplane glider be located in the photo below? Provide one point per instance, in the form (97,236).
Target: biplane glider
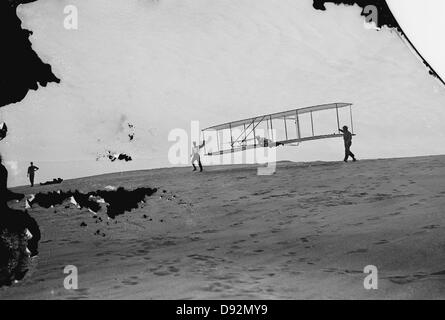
(278,129)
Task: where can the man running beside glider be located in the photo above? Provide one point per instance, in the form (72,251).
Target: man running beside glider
(347,137)
(195,155)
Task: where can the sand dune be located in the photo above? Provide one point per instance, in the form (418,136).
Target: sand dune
(305,232)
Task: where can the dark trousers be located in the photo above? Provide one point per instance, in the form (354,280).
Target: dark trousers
(348,152)
(199,163)
(31,180)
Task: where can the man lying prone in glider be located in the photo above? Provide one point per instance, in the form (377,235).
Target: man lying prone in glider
(265,142)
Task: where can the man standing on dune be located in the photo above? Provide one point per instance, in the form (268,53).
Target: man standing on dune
(347,137)
(195,155)
(31,170)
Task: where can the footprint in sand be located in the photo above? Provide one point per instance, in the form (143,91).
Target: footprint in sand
(131,281)
(439,273)
(217,287)
(209,231)
(78,294)
(407,279)
(358,251)
(353,271)
(431,226)
(259,193)
(339,271)
(173,269)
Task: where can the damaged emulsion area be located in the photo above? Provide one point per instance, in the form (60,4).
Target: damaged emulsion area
(19,236)
(116,201)
(385,18)
(21,68)
(113,156)
(118,156)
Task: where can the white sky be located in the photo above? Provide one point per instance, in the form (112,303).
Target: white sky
(424,24)
(160,65)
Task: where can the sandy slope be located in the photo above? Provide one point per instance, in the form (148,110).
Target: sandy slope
(306,232)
